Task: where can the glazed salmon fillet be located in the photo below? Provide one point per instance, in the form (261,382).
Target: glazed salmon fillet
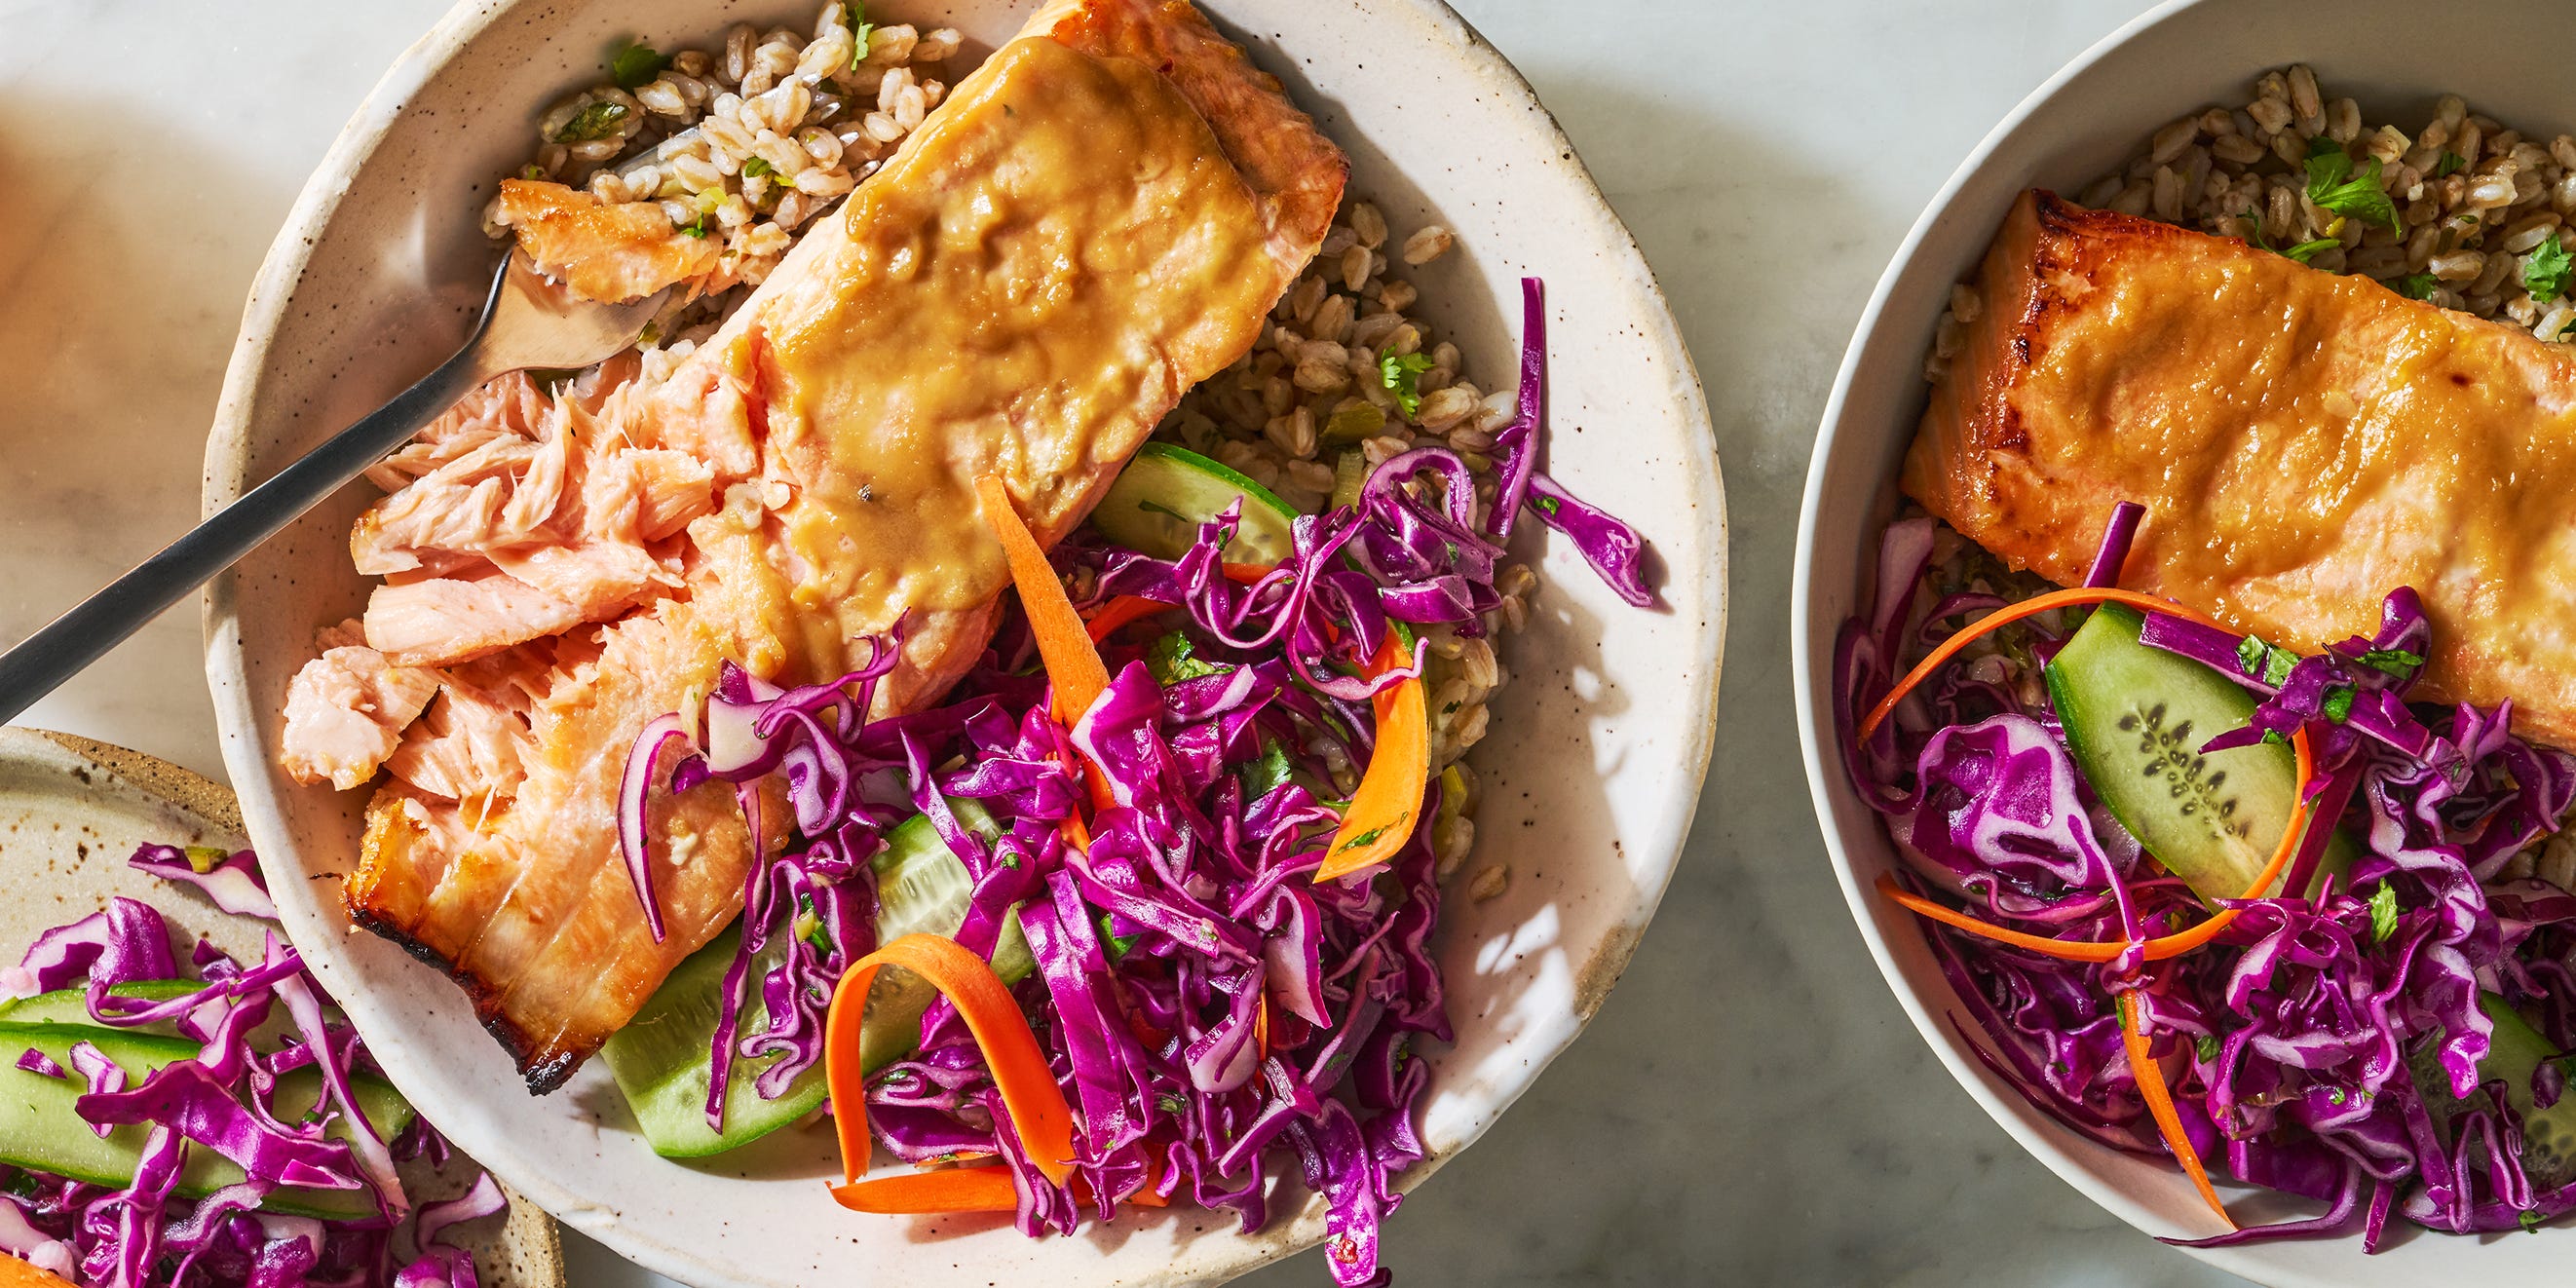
(2304,443)
(1098,218)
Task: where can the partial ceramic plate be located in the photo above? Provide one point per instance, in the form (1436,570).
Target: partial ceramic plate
(72,811)
(1599,748)
(2085,121)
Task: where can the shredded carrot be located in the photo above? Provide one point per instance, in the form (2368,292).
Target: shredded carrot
(15,1273)
(1072,664)
(1019,1068)
(1106,619)
(948,1189)
(1381,815)
(2151,1084)
(2157,949)
(1246,574)
(2007,615)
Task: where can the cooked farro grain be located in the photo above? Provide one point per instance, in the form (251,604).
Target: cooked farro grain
(2475,201)
(752,139)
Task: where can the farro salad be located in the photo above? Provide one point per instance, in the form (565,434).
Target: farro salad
(2215,691)
(1156,841)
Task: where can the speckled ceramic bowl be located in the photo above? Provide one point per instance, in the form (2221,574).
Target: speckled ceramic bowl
(72,812)
(1598,749)
(2083,122)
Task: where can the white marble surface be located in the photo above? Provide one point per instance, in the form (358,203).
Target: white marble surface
(1751,1106)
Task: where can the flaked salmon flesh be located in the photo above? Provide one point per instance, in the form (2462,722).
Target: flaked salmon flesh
(1095,220)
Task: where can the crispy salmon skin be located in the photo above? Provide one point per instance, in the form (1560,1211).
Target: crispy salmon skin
(2304,443)
(1098,218)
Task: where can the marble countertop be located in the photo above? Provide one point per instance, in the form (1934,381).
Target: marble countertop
(1751,1105)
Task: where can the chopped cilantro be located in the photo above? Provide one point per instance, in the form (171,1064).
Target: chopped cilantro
(2276,668)
(2250,652)
(2335,1096)
(2383,913)
(1172,1104)
(2420,286)
(2396,662)
(2338,703)
(2334,185)
(1263,776)
(757,167)
(2545,269)
(636,65)
(1370,836)
(697,228)
(854,15)
(2530,1219)
(2450,164)
(2305,251)
(2209,1047)
(1399,372)
(1174,659)
(597,121)
(2254,229)
(1116,944)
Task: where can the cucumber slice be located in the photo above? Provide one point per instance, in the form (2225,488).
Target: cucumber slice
(71,1005)
(1166,492)
(2135,718)
(660,1059)
(42,1131)
(2513,1054)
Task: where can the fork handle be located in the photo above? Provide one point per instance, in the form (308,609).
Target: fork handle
(68,644)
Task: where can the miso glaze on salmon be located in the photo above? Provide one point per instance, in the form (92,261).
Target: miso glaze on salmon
(2302,442)
(1098,218)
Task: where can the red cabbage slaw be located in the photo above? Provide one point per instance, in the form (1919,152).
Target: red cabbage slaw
(1204,1002)
(2295,1029)
(221,1101)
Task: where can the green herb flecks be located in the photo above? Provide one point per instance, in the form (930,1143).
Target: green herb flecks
(696,228)
(2334,185)
(1263,776)
(2545,270)
(2209,1047)
(2419,286)
(2383,913)
(757,168)
(1174,659)
(597,121)
(2305,251)
(2337,705)
(1110,940)
(2450,164)
(2250,652)
(1401,373)
(2395,662)
(1370,836)
(2530,1219)
(533,173)
(636,65)
(854,15)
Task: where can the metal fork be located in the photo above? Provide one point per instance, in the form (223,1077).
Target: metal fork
(527,323)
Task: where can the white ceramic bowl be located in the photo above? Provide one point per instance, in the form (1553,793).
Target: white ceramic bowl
(1600,745)
(2085,121)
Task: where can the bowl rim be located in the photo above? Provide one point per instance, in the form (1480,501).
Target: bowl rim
(1816,723)
(229,451)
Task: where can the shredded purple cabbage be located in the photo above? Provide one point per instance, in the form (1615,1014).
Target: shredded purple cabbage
(143,1236)
(2327,1046)
(1209,1009)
